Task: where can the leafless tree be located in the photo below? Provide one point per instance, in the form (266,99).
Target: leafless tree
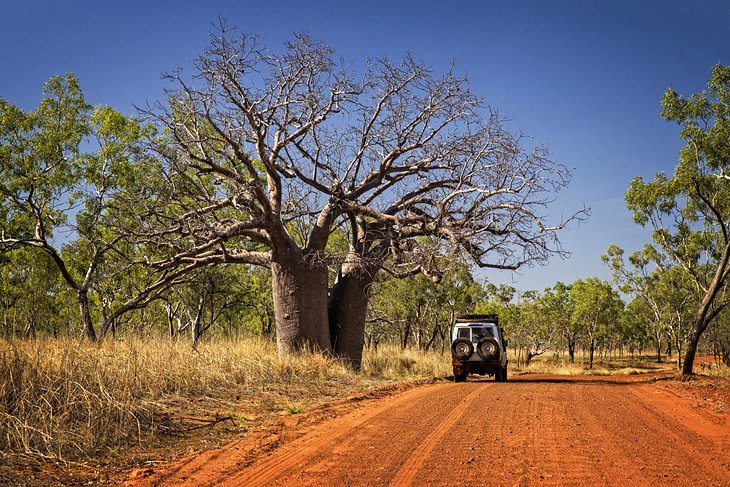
(265,155)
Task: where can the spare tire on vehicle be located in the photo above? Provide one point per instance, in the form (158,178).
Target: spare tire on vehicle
(487,348)
(462,349)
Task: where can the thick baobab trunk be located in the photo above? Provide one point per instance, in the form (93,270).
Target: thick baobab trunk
(348,305)
(299,285)
(86,322)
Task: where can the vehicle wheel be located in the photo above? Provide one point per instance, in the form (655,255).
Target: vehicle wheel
(498,375)
(504,374)
(459,376)
(462,349)
(487,348)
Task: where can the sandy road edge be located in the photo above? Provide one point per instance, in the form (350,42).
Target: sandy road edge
(268,436)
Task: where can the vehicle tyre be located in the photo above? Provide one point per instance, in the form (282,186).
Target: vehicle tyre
(459,375)
(462,349)
(487,348)
(504,374)
(498,375)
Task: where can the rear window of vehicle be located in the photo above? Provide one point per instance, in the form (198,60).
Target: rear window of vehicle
(476,333)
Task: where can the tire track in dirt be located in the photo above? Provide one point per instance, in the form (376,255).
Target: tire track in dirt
(375,452)
(534,430)
(552,431)
(312,454)
(576,445)
(410,468)
(521,433)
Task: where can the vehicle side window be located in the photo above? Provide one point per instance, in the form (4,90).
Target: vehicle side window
(464,333)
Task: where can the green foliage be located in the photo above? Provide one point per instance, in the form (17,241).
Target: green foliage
(690,211)
(596,308)
(30,295)
(61,170)
(419,311)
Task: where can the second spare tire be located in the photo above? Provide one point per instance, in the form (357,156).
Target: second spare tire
(488,349)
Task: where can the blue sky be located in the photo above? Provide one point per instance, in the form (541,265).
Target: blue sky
(584,78)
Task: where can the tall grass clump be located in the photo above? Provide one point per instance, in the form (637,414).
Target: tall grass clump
(719,370)
(393,362)
(63,399)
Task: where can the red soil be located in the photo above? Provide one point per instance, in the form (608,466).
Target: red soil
(533,430)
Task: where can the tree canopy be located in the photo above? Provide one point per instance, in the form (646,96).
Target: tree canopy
(690,211)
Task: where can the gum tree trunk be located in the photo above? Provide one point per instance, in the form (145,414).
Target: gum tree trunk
(86,322)
(299,284)
(705,314)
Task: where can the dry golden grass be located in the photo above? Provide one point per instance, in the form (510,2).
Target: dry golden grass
(547,364)
(716,370)
(393,362)
(67,400)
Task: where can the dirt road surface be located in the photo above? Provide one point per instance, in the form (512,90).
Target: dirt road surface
(533,430)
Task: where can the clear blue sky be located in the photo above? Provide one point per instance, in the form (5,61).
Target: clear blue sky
(583,77)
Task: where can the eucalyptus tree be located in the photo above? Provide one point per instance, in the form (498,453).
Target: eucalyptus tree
(60,167)
(66,172)
(679,300)
(270,153)
(29,294)
(635,330)
(537,323)
(718,335)
(639,278)
(557,308)
(690,211)
(596,307)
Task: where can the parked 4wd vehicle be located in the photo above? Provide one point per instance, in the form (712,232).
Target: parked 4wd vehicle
(478,347)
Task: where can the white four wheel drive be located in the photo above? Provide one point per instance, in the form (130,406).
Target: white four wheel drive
(478,347)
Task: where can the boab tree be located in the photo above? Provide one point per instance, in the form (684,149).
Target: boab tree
(480,196)
(690,212)
(266,155)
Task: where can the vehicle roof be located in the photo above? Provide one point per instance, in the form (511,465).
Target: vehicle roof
(492,318)
(485,323)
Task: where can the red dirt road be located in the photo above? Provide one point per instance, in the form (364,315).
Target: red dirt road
(533,430)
